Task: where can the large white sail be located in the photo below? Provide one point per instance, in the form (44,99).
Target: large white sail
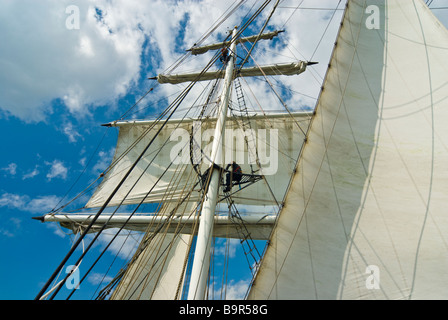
(169,174)
(157,270)
(365,216)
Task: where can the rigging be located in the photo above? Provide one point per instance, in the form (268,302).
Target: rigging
(169,111)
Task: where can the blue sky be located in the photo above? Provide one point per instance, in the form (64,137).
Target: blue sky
(58,85)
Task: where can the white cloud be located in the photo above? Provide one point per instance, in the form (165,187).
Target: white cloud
(237,290)
(98,278)
(90,66)
(57,170)
(69,130)
(229,249)
(31,174)
(6,233)
(99,62)
(82,161)
(104,161)
(234,290)
(42,204)
(57,229)
(14,225)
(12,201)
(124,245)
(42,60)
(10,169)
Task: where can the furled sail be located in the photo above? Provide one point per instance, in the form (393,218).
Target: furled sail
(286,69)
(166,169)
(215,46)
(365,216)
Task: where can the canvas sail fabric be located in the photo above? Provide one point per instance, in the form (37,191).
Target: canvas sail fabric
(366,217)
(171,183)
(216,46)
(287,69)
(157,270)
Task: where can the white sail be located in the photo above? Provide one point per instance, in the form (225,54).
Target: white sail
(169,173)
(157,270)
(365,216)
(286,69)
(215,46)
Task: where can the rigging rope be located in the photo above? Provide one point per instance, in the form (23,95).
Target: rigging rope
(54,210)
(259,35)
(150,190)
(174,106)
(328,25)
(167,140)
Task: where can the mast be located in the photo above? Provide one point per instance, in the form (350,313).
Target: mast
(201,262)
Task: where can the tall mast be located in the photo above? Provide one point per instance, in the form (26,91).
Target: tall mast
(201,262)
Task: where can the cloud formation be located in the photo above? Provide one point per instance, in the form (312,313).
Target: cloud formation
(42,61)
(11,169)
(57,170)
(41,204)
(47,60)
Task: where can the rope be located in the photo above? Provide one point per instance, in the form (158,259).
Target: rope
(148,165)
(259,34)
(321,38)
(170,110)
(176,104)
(277,94)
